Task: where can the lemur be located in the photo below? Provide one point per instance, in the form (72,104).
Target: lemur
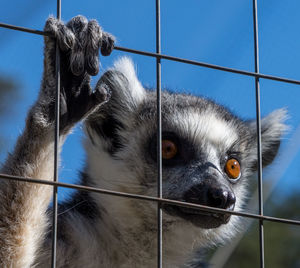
(208,156)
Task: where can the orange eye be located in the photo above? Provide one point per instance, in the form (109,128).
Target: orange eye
(169,149)
(233,168)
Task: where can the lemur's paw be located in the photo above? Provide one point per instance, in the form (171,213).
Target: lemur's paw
(82,39)
(79,43)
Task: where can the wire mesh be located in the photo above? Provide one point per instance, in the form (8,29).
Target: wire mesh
(159,138)
(159,199)
(56,145)
(258,133)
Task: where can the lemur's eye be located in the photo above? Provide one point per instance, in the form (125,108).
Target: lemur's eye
(169,149)
(233,168)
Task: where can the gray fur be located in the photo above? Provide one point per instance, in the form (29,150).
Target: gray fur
(105,231)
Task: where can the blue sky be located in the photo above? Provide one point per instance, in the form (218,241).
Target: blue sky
(218,32)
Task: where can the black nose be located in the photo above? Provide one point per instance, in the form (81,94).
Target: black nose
(219,197)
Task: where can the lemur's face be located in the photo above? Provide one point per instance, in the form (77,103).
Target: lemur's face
(208,154)
(203,155)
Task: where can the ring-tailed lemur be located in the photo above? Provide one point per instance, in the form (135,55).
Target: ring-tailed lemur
(208,156)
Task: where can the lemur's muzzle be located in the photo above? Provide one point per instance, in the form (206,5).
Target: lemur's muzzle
(208,195)
(218,196)
(207,187)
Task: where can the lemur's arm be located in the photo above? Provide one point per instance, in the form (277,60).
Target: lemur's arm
(23,206)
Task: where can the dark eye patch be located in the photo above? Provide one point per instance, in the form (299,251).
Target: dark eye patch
(185,149)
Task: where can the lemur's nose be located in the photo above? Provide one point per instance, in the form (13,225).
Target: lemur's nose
(219,197)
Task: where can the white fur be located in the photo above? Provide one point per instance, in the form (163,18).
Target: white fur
(135,90)
(208,128)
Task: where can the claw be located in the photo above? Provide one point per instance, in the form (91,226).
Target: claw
(107,44)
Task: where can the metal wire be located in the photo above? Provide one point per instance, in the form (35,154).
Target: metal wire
(56,145)
(172,58)
(261,217)
(159,138)
(258,135)
(150,198)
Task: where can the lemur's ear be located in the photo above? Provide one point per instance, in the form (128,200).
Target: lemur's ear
(127,94)
(272,129)
(122,83)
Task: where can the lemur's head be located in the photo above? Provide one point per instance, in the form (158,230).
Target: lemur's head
(208,153)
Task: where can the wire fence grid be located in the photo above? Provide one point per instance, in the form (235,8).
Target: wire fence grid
(159,199)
